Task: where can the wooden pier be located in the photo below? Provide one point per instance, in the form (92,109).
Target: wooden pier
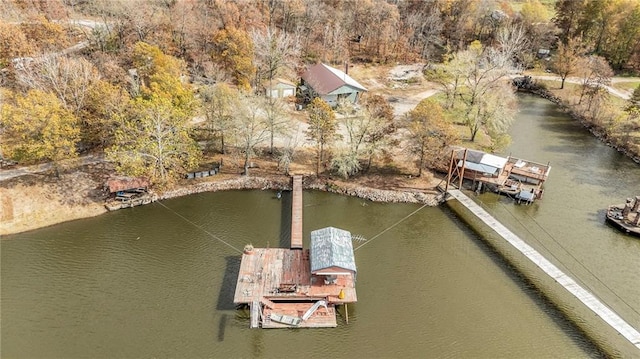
(278,283)
(296,214)
(587,298)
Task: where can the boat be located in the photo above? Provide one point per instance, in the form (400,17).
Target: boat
(129,201)
(626,217)
(285,319)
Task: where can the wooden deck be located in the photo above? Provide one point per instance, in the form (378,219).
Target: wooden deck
(264,271)
(296,214)
(267,271)
(586,297)
(322,318)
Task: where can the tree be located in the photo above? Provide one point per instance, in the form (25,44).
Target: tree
(13,44)
(69,78)
(43,35)
(219,103)
(252,127)
(429,132)
(595,73)
(38,128)
(622,44)
(484,99)
(233,50)
(380,138)
(159,75)
(424,24)
(322,129)
(369,128)
(292,141)
(533,11)
(275,118)
(273,51)
(565,62)
(153,141)
(634,100)
(568,15)
(105,103)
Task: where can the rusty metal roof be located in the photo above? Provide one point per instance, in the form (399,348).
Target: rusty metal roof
(117,184)
(325,79)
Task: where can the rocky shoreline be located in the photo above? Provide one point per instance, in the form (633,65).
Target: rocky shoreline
(309,183)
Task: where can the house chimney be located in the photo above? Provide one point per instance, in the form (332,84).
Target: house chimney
(346,67)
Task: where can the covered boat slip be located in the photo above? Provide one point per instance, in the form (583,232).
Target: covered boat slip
(280,280)
(522,179)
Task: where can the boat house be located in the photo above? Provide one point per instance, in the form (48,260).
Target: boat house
(511,176)
(330,84)
(298,287)
(331,253)
(480,164)
(125,192)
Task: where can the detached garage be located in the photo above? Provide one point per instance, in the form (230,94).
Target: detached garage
(280,88)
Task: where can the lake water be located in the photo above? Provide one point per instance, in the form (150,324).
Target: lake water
(158,280)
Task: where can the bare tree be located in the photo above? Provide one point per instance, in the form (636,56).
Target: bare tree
(595,74)
(218,105)
(276,119)
(291,143)
(69,78)
(423,18)
(511,41)
(483,74)
(252,129)
(274,50)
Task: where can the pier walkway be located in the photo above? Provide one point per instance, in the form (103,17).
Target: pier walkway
(296,213)
(586,297)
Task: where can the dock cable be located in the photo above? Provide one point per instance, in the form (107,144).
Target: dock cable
(568,252)
(390,227)
(200,227)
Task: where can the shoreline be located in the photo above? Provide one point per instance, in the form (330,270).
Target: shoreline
(237,182)
(66,212)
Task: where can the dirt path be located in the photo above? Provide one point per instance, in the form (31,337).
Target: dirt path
(625,95)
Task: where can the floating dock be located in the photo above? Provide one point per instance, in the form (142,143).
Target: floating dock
(626,217)
(511,176)
(296,287)
(279,280)
(587,298)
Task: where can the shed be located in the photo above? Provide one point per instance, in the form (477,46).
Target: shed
(331,84)
(484,163)
(331,252)
(120,184)
(280,88)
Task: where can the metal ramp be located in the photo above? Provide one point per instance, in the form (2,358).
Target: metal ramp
(313,308)
(255,314)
